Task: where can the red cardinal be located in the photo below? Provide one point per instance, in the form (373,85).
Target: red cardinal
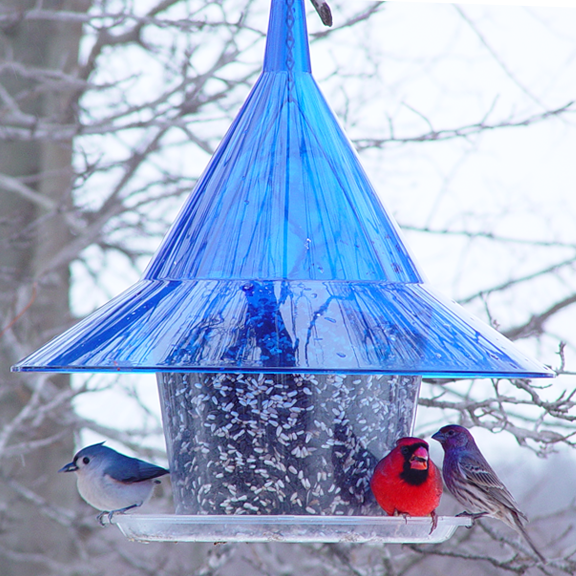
(407,482)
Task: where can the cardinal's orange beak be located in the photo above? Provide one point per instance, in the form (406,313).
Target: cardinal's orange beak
(419,460)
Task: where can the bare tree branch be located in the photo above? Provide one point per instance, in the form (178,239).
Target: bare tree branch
(465,131)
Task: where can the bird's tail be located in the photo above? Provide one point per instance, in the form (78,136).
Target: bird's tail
(532,545)
(518,525)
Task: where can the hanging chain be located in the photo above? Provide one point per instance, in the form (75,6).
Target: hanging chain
(290,35)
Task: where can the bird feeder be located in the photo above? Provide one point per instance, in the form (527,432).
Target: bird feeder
(289,328)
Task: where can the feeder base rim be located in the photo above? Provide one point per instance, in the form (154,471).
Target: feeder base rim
(284,528)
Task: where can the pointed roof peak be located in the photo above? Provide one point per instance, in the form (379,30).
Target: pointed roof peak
(287,40)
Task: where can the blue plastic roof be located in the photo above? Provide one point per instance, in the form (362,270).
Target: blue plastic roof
(283,259)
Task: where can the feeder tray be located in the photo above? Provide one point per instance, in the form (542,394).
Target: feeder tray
(270,528)
(289,329)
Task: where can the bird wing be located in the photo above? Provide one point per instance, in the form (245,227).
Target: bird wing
(130,470)
(479,473)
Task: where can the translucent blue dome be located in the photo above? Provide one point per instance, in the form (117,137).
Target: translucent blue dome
(283,259)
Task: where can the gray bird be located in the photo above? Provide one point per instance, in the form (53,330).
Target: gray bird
(323,11)
(113,482)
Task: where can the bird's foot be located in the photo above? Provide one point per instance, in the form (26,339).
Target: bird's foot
(434,522)
(120,511)
(100,517)
(403,514)
(474,515)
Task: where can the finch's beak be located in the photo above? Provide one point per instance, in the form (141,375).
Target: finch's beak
(71,467)
(439,437)
(419,460)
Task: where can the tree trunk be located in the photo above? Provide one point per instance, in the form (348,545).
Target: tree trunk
(31,231)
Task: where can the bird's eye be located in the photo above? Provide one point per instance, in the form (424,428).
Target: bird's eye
(450,433)
(405,450)
(86,460)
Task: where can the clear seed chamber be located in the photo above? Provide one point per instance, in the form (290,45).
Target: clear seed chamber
(281,443)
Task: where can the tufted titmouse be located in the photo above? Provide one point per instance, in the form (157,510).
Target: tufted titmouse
(112,482)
